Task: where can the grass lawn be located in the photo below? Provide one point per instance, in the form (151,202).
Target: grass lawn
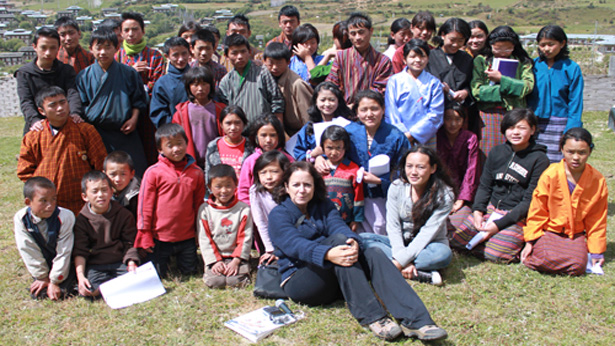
(481,303)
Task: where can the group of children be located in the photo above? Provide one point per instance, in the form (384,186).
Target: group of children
(221,144)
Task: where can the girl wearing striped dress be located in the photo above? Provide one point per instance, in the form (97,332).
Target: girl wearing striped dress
(557,99)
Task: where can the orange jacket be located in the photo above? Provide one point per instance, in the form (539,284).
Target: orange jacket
(554,209)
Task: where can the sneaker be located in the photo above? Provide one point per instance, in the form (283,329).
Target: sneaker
(432,277)
(428,332)
(385,329)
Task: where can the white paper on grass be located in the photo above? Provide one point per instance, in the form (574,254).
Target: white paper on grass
(319,128)
(132,288)
(380,165)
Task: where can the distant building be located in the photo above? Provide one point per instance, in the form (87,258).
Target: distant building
(166,8)
(22,34)
(109,10)
(207,21)
(12,58)
(83,19)
(38,18)
(29,52)
(62,14)
(113,15)
(603,43)
(3,10)
(74,9)
(223,15)
(7,18)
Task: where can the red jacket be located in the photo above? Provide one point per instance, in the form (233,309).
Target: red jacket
(182,117)
(168,202)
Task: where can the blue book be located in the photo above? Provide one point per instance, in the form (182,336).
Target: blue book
(507,67)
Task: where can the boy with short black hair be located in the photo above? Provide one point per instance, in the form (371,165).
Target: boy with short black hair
(44,237)
(240,24)
(120,169)
(62,151)
(248,85)
(70,51)
(171,192)
(225,231)
(114,25)
(114,97)
(361,66)
(168,91)
(46,70)
(104,236)
(212,28)
(297,92)
(288,20)
(134,52)
(203,45)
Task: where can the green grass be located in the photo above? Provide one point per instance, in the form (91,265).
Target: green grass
(481,303)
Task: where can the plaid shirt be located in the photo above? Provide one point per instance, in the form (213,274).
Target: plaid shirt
(282,39)
(154,59)
(218,70)
(80,59)
(62,158)
(352,72)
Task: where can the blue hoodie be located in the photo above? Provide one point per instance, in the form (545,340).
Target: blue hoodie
(168,92)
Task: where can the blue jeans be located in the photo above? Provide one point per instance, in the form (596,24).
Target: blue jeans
(434,256)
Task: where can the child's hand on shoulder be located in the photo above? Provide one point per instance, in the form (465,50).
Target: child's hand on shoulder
(353,226)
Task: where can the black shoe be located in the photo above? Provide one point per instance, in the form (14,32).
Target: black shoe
(432,277)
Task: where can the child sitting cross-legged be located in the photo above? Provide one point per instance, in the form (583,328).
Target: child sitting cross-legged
(104,236)
(225,231)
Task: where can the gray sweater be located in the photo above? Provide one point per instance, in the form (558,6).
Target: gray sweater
(399,221)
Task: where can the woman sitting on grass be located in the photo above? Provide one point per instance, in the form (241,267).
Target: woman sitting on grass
(319,256)
(567,216)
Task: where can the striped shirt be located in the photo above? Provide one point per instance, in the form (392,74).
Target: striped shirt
(79,60)
(257,94)
(351,72)
(218,70)
(154,59)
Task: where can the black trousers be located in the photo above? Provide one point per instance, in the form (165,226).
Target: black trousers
(313,285)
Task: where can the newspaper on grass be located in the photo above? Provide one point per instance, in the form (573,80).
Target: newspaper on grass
(259,324)
(132,288)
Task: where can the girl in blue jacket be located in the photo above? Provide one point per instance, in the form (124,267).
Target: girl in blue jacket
(557,98)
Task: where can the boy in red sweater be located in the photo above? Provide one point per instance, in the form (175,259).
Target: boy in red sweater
(171,192)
